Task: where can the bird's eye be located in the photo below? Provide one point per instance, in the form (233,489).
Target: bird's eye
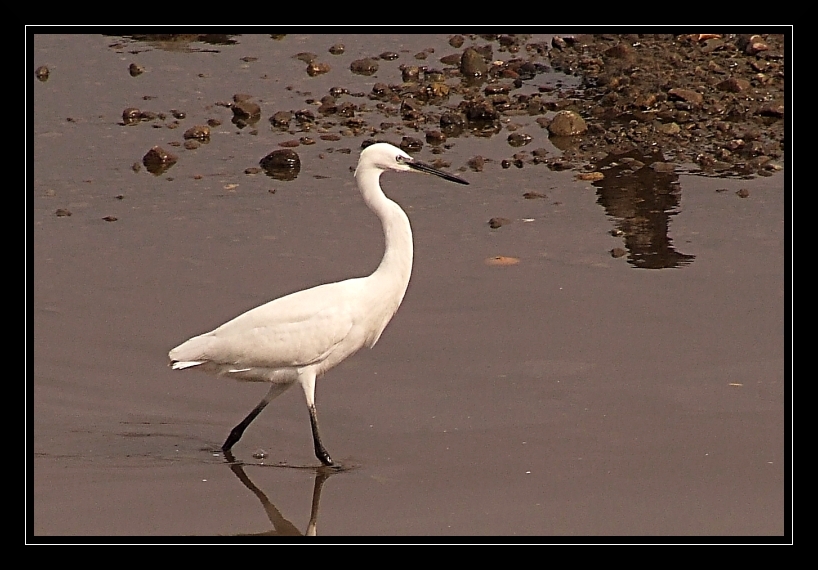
(399,158)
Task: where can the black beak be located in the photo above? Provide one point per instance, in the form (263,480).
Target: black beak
(422,167)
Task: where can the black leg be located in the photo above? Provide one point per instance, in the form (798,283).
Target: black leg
(320,452)
(238,431)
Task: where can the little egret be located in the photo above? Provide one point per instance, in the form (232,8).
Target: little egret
(298,337)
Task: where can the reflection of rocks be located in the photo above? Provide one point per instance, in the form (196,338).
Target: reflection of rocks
(642,197)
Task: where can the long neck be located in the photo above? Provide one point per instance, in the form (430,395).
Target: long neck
(396,265)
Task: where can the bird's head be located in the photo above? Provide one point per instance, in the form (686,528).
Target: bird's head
(384,156)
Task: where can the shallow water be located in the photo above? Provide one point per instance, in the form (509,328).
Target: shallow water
(570,394)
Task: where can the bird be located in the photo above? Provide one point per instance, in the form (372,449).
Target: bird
(298,337)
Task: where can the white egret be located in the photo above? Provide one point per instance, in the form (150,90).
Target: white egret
(298,337)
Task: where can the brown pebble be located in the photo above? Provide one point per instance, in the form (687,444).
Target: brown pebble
(131,115)
(743,193)
(135,70)
(533,195)
(200,132)
(495,223)
(41,73)
(518,139)
(364,66)
(337,49)
(244,109)
(477,163)
(590,176)
(110,218)
(435,137)
(734,85)
(567,123)
(688,95)
(502,260)
(617,252)
(314,68)
(62,212)
(157,160)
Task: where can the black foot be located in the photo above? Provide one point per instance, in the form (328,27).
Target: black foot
(234,436)
(324,457)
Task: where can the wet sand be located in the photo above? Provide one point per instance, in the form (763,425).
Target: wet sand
(572,394)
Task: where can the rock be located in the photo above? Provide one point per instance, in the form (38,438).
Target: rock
(157,160)
(495,223)
(668,128)
(135,70)
(337,49)
(411,144)
(42,73)
(314,68)
(364,66)
(519,139)
(281,119)
(131,115)
(200,132)
(753,45)
(62,212)
(481,111)
(502,260)
(688,95)
(567,123)
(435,137)
(665,167)
(590,176)
(772,109)
(472,63)
(245,110)
(476,163)
(282,164)
(733,85)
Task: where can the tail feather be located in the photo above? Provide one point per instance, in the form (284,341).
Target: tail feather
(177,365)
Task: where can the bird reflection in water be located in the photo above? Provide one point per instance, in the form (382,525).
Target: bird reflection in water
(282,526)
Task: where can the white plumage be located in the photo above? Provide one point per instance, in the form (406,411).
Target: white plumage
(302,335)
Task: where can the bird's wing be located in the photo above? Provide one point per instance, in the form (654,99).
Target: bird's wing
(293,331)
